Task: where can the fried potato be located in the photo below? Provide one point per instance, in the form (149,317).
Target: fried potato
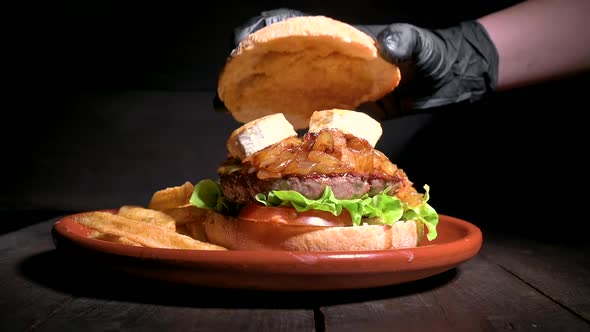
(147,215)
(171,197)
(147,234)
(113,238)
(186,214)
(196,230)
(181,229)
(189,219)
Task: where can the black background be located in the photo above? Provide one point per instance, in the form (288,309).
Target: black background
(111,103)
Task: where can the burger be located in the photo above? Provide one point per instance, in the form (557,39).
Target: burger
(302,173)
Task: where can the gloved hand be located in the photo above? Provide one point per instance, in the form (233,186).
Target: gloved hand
(438,67)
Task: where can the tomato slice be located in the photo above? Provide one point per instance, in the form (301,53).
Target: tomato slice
(285,215)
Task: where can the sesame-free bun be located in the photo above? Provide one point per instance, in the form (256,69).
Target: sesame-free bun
(239,234)
(301,65)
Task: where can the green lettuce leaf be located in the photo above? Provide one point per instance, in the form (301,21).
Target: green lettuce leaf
(388,208)
(380,209)
(425,213)
(207,195)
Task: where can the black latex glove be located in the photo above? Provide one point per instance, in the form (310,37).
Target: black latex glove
(438,67)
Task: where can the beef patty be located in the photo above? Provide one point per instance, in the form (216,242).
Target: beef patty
(242,188)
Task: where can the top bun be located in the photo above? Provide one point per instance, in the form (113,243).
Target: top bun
(302,65)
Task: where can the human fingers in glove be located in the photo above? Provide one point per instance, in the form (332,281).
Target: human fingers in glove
(438,67)
(509,48)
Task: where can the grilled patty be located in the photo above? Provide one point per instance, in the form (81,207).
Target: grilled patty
(242,188)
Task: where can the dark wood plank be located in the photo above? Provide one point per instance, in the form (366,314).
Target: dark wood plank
(96,315)
(561,271)
(507,286)
(44,290)
(481,297)
(24,302)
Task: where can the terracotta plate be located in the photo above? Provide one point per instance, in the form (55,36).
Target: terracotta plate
(457,241)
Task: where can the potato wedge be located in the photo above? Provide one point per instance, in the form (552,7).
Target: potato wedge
(147,234)
(147,215)
(196,230)
(171,197)
(181,229)
(186,214)
(113,238)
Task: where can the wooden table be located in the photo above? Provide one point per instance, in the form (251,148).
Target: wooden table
(512,284)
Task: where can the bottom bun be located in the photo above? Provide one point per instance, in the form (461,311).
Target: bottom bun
(239,234)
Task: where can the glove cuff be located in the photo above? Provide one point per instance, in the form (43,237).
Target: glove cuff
(439,67)
(461,64)
(484,47)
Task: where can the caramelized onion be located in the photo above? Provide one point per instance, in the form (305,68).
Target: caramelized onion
(329,151)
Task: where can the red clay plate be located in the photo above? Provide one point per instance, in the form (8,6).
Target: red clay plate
(457,241)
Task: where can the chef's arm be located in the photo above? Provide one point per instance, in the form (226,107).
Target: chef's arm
(540,40)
